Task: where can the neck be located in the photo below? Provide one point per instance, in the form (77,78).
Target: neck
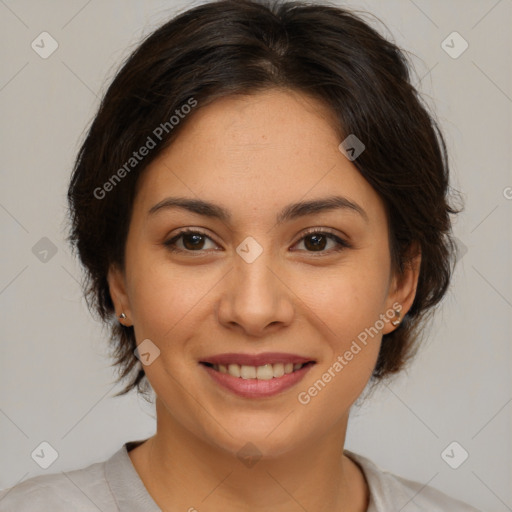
(183,471)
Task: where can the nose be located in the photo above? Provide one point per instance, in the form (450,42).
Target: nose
(256,299)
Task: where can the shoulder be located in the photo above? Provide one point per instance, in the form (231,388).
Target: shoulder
(80,490)
(389,491)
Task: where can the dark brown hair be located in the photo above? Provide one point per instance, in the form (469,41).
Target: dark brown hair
(241,47)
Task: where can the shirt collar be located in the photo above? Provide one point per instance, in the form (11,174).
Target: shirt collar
(379,485)
(125,483)
(132,496)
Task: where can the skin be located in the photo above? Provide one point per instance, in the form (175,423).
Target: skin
(253,155)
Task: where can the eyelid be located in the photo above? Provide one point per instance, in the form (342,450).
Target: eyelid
(327,231)
(341,241)
(170,242)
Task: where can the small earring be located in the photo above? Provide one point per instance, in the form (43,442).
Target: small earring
(397,321)
(122,316)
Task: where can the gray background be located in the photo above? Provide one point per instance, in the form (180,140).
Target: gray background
(55,380)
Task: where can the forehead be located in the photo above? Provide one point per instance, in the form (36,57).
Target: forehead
(272,115)
(258,151)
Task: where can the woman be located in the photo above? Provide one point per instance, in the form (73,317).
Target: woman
(261,207)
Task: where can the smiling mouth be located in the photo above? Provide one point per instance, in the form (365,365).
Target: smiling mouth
(264,372)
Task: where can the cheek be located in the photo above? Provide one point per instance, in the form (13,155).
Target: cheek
(346,310)
(161,298)
(347,315)
(165,304)
(168,304)
(347,299)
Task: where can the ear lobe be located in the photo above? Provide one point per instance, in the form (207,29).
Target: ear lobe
(404,285)
(117,288)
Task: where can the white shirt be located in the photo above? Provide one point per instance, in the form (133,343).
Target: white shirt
(115,486)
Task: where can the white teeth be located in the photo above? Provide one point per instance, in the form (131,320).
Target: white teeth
(234,370)
(264,372)
(278,369)
(247,372)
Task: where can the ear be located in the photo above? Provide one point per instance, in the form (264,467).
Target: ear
(403,286)
(117,287)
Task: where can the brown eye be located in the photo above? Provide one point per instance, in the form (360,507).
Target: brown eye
(317,241)
(193,241)
(188,241)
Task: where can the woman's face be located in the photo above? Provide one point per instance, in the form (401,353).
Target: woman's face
(255,281)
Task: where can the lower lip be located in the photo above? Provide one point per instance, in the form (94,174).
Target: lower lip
(255,388)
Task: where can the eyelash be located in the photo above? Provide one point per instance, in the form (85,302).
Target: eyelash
(342,244)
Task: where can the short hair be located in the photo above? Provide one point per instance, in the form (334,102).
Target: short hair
(242,47)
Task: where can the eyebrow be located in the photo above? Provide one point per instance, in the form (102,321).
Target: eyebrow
(288,213)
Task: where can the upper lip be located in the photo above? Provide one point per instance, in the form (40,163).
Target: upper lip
(256,359)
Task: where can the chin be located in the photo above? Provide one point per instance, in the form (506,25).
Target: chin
(268,437)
